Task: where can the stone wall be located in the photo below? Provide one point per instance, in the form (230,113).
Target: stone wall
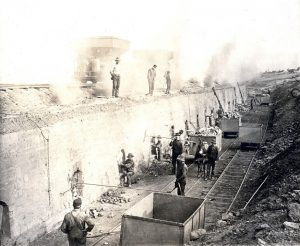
(38,165)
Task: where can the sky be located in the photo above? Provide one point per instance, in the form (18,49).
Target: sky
(222,40)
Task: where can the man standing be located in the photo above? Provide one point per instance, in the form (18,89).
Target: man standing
(74,224)
(177,150)
(115,77)
(212,156)
(151,77)
(158,146)
(181,175)
(168,81)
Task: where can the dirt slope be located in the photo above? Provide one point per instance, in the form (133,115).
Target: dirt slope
(278,201)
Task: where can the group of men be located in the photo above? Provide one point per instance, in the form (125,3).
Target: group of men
(116,76)
(205,158)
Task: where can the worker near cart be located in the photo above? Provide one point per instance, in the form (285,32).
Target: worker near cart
(151,78)
(128,169)
(219,117)
(115,77)
(177,149)
(200,159)
(77,224)
(181,173)
(212,156)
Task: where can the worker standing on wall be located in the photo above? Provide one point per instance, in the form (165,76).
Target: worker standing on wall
(177,150)
(115,77)
(181,175)
(212,156)
(74,224)
(151,78)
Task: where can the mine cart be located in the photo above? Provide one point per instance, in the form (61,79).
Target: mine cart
(162,219)
(207,138)
(230,127)
(250,136)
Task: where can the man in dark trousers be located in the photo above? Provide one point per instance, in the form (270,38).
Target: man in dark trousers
(128,169)
(181,175)
(74,224)
(151,78)
(200,158)
(115,77)
(168,81)
(212,155)
(177,150)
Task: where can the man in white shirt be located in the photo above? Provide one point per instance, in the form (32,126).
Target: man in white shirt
(115,77)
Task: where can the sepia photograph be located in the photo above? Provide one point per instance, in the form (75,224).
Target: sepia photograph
(149,123)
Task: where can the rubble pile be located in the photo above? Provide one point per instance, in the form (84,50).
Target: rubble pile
(242,108)
(158,168)
(209,131)
(114,197)
(231,115)
(96,212)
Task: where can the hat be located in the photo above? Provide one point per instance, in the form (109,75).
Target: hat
(77,202)
(159,136)
(117,59)
(130,155)
(154,65)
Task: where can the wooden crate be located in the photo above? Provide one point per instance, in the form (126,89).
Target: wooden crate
(162,219)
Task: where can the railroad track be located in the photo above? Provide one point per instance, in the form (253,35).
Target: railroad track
(220,194)
(220,197)
(193,180)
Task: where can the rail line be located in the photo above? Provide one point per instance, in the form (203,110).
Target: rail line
(170,185)
(220,194)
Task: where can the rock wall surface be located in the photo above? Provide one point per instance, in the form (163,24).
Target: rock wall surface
(39,165)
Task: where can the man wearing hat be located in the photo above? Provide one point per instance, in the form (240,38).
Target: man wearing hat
(77,224)
(181,175)
(151,77)
(115,77)
(212,156)
(128,169)
(177,150)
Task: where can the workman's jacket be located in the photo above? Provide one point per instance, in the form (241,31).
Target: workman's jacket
(79,219)
(181,171)
(151,74)
(129,165)
(200,152)
(212,152)
(177,147)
